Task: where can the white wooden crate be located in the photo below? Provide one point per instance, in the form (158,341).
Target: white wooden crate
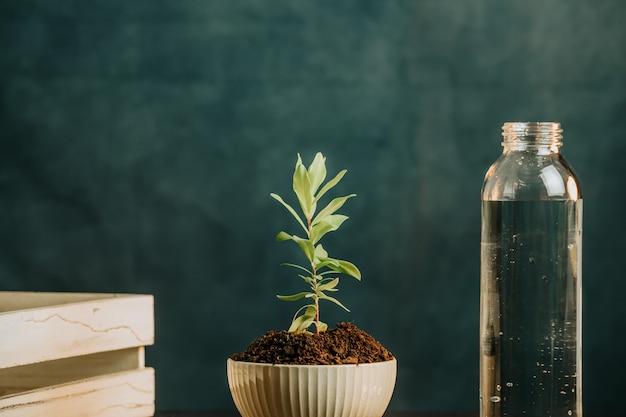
(75,355)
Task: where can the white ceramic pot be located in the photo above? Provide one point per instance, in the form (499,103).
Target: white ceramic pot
(266,390)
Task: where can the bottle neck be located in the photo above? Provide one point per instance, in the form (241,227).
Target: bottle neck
(544,138)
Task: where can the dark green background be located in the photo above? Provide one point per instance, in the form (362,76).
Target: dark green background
(139,142)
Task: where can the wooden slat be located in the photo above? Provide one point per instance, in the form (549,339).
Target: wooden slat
(127,394)
(21,300)
(29,377)
(50,326)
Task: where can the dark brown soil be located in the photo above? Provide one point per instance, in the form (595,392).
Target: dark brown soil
(345,344)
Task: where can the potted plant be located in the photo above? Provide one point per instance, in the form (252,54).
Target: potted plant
(336,372)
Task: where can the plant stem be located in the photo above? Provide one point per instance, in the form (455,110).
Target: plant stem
(315,283)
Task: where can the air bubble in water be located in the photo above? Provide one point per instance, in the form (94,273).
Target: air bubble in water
(495,399)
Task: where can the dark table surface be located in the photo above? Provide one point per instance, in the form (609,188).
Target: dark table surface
(387,414)
(235,414)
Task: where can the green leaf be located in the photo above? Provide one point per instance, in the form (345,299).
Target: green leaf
(324,261)
(329,286)
(348,268)
(303,322)
(328,263)
(334,300)
(322,327)
(306,279)
(317,172)
(291,210)
(329,224)
(295,266)
(294,297)
(320,252)
(305,244)
(331,208)
(307,247)
(302,188)
(340,266)
(330,184)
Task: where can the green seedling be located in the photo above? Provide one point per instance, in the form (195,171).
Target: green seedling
(321,270)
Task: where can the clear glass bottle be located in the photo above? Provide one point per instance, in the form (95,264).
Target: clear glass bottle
(530,278)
